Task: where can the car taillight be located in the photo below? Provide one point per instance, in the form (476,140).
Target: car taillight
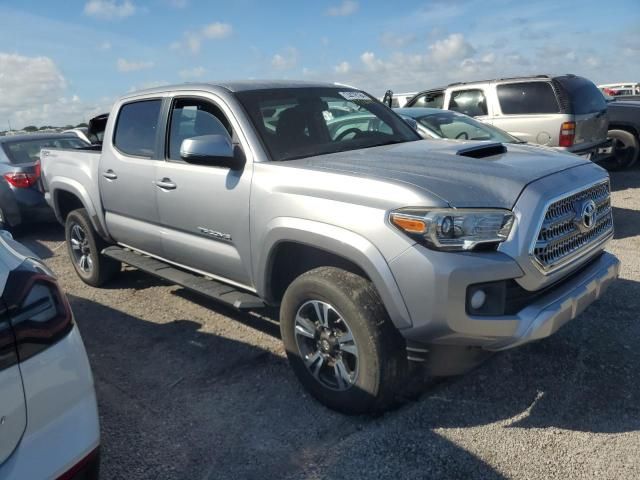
(38,310)
(567,134)
(22,179)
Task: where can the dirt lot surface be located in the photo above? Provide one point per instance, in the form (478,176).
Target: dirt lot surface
(189,389)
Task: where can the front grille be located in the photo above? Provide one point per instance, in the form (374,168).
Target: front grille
(565,233)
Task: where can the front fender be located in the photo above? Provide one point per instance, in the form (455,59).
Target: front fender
(338,241)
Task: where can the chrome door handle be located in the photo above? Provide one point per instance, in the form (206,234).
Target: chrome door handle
(110,175)
(165,184)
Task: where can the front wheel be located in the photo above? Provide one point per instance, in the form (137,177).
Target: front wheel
(341,343)
(84,246)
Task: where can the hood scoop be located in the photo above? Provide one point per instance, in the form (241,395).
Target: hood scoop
(483,151)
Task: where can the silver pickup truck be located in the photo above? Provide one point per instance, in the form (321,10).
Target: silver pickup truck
(382,250)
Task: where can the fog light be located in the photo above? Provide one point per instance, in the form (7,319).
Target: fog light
(477,299)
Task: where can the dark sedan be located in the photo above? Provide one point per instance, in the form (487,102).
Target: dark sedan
(21,194)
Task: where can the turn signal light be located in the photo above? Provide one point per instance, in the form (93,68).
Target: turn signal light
(409,225)
(567,134)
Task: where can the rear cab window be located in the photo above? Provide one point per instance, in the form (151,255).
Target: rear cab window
(525,98)
(471,102)
(137,127)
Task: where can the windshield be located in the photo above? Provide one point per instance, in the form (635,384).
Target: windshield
(28,151)
(303,122)
(447,124)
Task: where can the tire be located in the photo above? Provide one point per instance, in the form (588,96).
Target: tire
(625,150)
(84,246)
(369,380)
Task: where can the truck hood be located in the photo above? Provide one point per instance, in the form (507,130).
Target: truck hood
(437,167)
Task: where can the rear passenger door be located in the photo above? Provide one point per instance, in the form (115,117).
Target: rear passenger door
(530,111)
(127,172)
(204,209)
(13,415)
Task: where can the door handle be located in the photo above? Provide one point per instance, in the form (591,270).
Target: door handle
(165,184)
(110,175)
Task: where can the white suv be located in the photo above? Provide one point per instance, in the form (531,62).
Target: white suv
(48,413)
(567,112)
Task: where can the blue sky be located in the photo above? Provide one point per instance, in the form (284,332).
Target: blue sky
(62,62)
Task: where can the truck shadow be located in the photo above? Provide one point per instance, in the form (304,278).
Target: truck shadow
(626,221)
(34,236)
(176,401)
(585,378)
(625,179)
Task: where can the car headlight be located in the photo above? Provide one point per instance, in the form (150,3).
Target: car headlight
(452,228)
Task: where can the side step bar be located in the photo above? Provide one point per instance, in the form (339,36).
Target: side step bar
(209,288)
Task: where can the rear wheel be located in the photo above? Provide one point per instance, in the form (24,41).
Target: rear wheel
(84,246)
(341,343)
(625,150)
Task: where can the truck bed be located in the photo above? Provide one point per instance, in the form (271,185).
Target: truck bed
(74,171)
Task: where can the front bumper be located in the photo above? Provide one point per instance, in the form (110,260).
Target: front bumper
(545,316)
(435,288)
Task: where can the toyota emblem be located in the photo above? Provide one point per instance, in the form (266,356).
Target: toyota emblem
(588,215)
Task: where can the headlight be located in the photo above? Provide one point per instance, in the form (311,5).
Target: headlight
(454,229)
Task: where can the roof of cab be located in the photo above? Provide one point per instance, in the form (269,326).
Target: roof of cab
(237,86)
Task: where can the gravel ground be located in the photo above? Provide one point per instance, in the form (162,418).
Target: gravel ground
(189,389)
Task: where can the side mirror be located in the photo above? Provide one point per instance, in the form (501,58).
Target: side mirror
(209,150)
(410,121)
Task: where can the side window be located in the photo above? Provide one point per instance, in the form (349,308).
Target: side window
(192,117)
(527,97)
(136,128)
(469,102)
(431,100)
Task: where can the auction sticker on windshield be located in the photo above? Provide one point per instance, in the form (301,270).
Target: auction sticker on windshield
(355,96)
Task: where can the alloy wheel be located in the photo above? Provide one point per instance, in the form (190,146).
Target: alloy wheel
(326,345)
(80,248)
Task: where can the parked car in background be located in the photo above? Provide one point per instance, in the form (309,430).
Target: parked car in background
(624,130)
(21,195)
(436,123)
(49,426)
(566,112)
(620,89)
(379,248)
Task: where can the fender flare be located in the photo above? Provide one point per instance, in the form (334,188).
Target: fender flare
(74,187)
(340,242)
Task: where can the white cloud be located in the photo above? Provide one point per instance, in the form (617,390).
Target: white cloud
(105,46)
(33,92)
(132,66)
(285,60)
(217,30)
(109,9)
(453,47)
(192,73)
(348,7)
(342,68)
(192,40)
(371,62)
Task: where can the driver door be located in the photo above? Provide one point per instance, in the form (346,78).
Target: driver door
(204,209)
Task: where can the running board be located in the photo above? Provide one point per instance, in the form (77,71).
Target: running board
(214,289)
